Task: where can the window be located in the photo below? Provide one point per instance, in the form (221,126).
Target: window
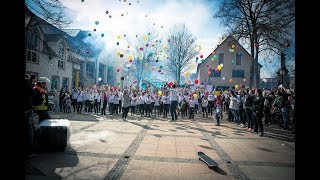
(65,82)
(238,73)
(32,45)
(90,70)
(238,59)
(221,56)
(55,81)
(215,74)
(61,56)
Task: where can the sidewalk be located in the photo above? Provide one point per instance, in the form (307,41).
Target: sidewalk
(106,147)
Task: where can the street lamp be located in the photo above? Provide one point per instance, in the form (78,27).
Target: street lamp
(263,82)
(282,73)
(99,81)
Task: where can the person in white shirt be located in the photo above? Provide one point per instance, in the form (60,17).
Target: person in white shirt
(148,105)
(99,101)
(105,102)
(192,104)
(116,103)
(174,102)
(120,97)
(111,103)
(166,104)
(86,101)
(80,100)
(141,104)
(95,101)
(210,103)
(204,106)
(133,103)
(74,95)
(91,100)
(126,102)
(157,100)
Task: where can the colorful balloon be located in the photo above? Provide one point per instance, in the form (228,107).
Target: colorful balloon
(196,81)
(159,93)
(97,22)
(107,12)
(102,35)
(122,78)
(201,56)
(118,70)
(195,95)
(117,43)
(230,81)
(89,34)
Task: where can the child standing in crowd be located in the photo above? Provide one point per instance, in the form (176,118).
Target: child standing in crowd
(192,104)
(68,104)
(157,100)
(204,106)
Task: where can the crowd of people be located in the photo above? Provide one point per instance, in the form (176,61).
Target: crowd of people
(248,108)
(251,109)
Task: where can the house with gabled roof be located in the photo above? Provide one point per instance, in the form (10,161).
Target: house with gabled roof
(236,65)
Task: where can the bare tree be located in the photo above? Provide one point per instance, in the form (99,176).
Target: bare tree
(263,24)
(181,49)
(52,11)
(146,53)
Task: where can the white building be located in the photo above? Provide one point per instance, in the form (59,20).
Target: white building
(236,65)
(64,59)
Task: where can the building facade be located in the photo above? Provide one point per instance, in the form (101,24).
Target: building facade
(236,65)
(64,59)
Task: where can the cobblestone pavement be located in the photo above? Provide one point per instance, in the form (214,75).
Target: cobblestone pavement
(108,147)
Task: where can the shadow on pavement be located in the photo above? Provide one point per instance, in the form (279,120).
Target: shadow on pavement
(220,171)
(206,147)
(44,164)
(265,149)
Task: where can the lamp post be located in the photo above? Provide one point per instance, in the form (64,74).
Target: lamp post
(99,81)
(263,82)
(282,73)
